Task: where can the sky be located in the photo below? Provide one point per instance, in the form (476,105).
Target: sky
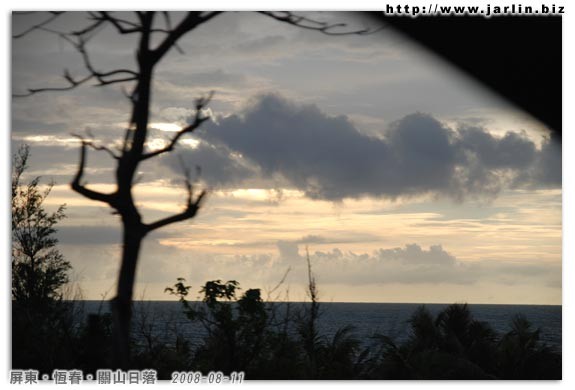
(404,180)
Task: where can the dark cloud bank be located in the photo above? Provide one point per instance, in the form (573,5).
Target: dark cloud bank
(328,158)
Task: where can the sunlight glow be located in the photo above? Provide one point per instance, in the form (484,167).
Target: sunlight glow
(168,127)
(50,140)
(156,144)
(261,194)
(191,142)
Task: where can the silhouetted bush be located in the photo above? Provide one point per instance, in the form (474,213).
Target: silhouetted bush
(43,336)
(454,345)
(521,355)
(42,323)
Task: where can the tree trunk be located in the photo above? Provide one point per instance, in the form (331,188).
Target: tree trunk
(122,303)
(134,230)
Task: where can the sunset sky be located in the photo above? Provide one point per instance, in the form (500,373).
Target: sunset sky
(405,180)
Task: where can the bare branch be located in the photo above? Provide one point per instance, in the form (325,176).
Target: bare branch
(168,21)
(80,46)
(199,118)
(190,212)
(94,146)
(88,29)
(191,21)
(53,15)
(103,78)
(72,84)
(78,39)
(316,25)
(120,24)
(81,188)
(116,81)
(192,205)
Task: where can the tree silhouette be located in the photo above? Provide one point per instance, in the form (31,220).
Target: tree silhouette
(38,269)
(41,319)
(156,36)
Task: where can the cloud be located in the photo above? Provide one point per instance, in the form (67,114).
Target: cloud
(408,265)
(414,254)
(511,151)
(95,255)
(212,78)
(327,157)
(220,167)
(548,169)
(288,250)
(276,143)
(412,264)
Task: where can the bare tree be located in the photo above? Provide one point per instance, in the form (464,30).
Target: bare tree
(148,27)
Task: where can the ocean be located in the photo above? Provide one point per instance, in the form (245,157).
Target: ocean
(165,319)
